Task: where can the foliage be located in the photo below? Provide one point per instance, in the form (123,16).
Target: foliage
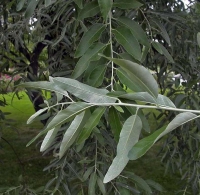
(97,55)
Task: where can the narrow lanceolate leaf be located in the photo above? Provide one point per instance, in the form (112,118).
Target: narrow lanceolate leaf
(162,50)
(89,38)
(125,37)
(115,123)
(101,186)
(127,4)
(49,138)
(91,123)
(136,29)
(198,38)
(105,7)
(89,10)
(145,144)
(90,55)
(62,117)
(31,8)
(92,184)
(128,138)
(20,5)
(96,77)
(48,2)
(31,119)
(136,77)
(49,86)
(72,132)
(84,92)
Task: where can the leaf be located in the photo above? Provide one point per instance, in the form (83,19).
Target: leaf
(163,31)
(101,185)
(155,185)
(63,116)
(49,86)
(89,10)
(89,38)
(31,119)
(139,181)
(88,173)
(96,77)
(92,183)
(146,143)
(48,2)
(162,50)
(91,123)
(50,136)
(83,62)
(164,101)
(198,38)
(20,5)
(136,29)
(136,77)
(128,138)
(115,123)
(79,3)
(105,7)
(72,132)
(125,37)
(84,92)
(31,8)
(127,4)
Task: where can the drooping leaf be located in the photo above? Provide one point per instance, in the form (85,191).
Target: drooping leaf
(91,123)
(162,50)
(48,2)
(105,7)
(139,181)
(128,138)
(84,92)
(92,184)
(155,185)
(31,8)
(31,119)
(115,123)
(101,185)
(127,4)
(49,138)
(89,38)
(49,86)
(96,77)
(90,9)
(72,132)
(164,33)
(63,116)
(20,5)
(90,55)
(136,29)
(125,37)
(146,143)
(198,38)
(136,77)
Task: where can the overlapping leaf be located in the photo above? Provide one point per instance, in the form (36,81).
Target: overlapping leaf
(91,123)
(89,38)
(145,144)
(105,7)
(136,29)
(136,77)
(128,138)
(72,132)
(84,61)
(84,92)
(125,37)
